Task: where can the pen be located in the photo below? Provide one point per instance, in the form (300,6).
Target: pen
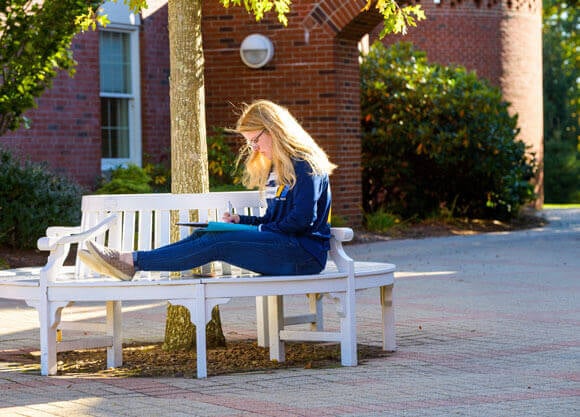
(230,208)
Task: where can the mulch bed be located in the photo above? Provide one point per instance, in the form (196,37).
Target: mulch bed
(150,360)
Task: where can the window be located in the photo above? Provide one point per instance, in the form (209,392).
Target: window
(115,94)
(119,86)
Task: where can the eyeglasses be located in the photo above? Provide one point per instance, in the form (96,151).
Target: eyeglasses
(255,139)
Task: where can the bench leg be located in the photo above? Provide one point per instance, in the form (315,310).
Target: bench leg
(47,347)
(49,317)
(115,330)
(198,314)
(276,323)
(200,311)
(388,315)
(315,306)
(201,349)
(262,321)
(348,345)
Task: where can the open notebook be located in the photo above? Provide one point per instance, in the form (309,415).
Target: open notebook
(220,226)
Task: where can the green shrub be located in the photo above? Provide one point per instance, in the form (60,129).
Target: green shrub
(33,198)
(126,180)
(160,171)
(221,161)
(338,221)
(155,176)
(561,172)
(436,136)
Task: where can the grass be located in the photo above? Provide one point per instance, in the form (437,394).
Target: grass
(562,206)
(380,221)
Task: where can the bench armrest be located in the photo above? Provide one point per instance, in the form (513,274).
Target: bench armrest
(336,253)
(50,242)
(342,234)
(57,231)
(59,245)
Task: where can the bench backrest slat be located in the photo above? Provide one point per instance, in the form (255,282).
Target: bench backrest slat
(129,233)
(145,234)
(162,234)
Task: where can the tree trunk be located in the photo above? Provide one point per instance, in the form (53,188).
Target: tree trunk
(180,332)
(189,165)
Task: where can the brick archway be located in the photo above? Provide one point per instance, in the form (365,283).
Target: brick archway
(341,18)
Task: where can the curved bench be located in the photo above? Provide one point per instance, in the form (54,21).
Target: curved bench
(144,221)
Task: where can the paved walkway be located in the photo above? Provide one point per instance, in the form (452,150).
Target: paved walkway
(487,325)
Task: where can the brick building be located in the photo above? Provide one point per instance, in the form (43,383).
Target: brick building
(116,108)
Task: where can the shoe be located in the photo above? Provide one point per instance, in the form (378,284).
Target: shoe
(107,261)
(89,260)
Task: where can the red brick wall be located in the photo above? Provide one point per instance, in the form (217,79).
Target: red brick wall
(155,117)
(463,34)
(65,129)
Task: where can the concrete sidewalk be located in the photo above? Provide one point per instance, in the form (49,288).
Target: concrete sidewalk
(487,325)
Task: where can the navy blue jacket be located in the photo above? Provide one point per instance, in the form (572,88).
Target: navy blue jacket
(302,211)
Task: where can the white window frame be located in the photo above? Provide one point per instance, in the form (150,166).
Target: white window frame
(123,20)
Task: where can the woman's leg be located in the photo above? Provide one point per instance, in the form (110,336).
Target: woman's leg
(262,252)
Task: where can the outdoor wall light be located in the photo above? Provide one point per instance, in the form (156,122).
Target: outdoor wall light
(256,50)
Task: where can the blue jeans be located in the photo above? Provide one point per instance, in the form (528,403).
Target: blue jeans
(262,252)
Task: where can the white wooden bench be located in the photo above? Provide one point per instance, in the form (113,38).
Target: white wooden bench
(144,221)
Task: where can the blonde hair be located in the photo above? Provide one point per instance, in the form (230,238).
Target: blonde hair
(289,141)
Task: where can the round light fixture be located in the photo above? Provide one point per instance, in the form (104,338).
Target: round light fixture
(256,50)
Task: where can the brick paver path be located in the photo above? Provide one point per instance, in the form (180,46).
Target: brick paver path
(487,325)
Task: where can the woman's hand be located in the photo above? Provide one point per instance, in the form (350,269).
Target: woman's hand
(230,218)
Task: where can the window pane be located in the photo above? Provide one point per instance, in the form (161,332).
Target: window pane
(115,127)
(115,62)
